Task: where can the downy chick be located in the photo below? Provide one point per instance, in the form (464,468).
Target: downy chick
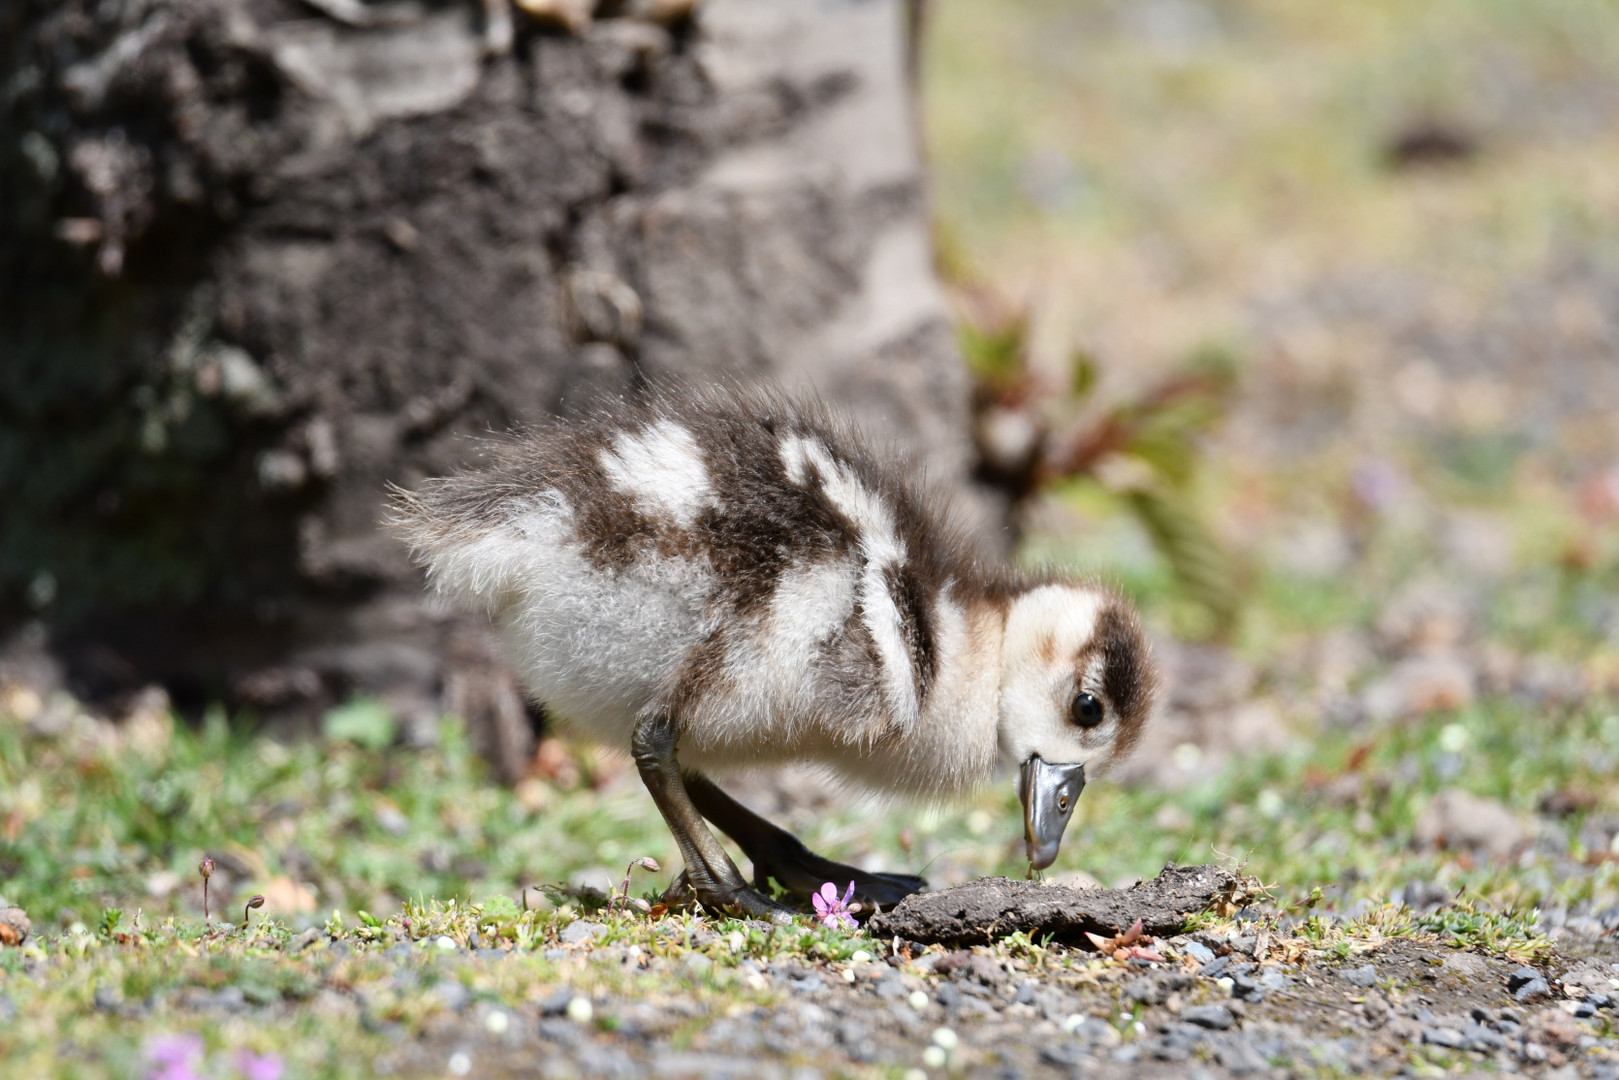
(734,575)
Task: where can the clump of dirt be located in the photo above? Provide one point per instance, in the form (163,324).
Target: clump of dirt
(992,907)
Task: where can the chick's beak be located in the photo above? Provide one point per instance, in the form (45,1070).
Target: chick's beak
(1049,793)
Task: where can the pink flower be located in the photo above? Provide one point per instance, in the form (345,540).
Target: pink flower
(256,1067)
(173,1057)
(831,910)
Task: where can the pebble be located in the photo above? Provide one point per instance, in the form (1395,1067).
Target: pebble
(580,1011)
(1245,989)
(1067,1055)
(452,994)
(1199,952)
(890,989)
(1275,980)
(1239,1057)
(1449,1038)
(576,933)
(1365,975)
(1520,976)
(1532,989)
(1213,1017)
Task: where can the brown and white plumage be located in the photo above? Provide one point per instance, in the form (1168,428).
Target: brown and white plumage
(739,565)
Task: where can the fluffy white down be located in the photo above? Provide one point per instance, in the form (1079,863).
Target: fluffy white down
(880,547)
(662,468)
(771,705)
(594,647)
(1046,629)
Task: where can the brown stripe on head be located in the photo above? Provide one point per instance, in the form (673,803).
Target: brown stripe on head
(1129,672)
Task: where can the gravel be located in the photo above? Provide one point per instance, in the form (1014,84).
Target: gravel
(993,1014)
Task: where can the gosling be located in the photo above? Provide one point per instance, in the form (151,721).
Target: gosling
(732,575)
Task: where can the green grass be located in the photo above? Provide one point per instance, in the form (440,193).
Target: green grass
(91,822)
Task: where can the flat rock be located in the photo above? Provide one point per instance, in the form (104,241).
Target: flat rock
(992,907)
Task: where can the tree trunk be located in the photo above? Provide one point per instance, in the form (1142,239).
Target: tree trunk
(262,258)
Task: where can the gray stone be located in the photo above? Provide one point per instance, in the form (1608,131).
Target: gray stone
(1520,976)
(1365,975)
(1532,989)
(1199,952)
(891,989)
(1068,1055)
(1245,989)
(560,1030)
(1239,1057)
(1478,1037)
(1449,1038)
(556,1002)
(454,995)
(1213,1017)
(580,931)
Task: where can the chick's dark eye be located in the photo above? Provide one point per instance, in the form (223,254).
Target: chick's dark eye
(1086,710)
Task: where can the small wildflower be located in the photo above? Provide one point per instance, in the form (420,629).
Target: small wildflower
(173,1057)
(258,1066)
(831,910)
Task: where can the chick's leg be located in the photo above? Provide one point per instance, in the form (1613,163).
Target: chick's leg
(717,881)
(777,853)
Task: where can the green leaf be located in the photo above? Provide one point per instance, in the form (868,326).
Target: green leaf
(499,907)
(365,722)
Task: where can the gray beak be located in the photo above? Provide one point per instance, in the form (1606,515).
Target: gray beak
(1049,793)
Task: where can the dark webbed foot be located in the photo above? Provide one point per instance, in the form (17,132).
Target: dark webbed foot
(709,871)
(777,853)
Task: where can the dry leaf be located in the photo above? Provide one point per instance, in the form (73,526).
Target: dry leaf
(1124,946)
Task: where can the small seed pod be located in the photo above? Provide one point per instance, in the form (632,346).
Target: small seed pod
(255,902)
